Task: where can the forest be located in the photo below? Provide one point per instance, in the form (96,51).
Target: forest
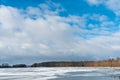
(102,63)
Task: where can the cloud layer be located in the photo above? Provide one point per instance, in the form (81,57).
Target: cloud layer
(40,34)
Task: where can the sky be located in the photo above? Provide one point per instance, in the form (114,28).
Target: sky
(59,30)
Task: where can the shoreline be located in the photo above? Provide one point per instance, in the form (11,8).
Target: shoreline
(65,67)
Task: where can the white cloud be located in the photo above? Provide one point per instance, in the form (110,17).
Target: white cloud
(38,32)
(26,45)
(117,47)
(43,46)
(113,5)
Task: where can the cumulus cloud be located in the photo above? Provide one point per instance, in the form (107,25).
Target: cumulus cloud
(39,32)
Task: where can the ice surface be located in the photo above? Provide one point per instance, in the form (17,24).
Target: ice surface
(54,73)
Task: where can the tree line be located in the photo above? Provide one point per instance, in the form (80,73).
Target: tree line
(103,63)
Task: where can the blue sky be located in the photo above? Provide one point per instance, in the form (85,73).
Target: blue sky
(59,30)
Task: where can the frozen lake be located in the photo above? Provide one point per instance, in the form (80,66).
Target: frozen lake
(56,73)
